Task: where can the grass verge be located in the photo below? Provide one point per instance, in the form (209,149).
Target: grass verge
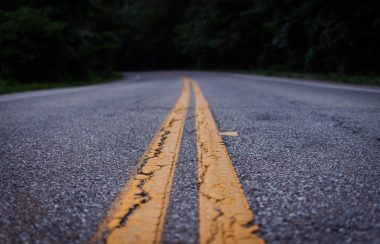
(8,86)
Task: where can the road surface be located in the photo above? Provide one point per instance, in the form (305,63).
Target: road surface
(306,154)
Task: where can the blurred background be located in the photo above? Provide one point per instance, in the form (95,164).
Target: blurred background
(47,43)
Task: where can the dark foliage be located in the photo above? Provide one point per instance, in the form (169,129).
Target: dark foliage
(59,40)
(70,39)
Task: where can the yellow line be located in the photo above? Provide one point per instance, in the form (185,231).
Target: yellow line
(225,215)
(138,215)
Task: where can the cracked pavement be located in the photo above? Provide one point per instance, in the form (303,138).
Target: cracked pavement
(307,155)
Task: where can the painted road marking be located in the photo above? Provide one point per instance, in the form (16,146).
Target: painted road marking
(228,133)
(225,215)
(138,215)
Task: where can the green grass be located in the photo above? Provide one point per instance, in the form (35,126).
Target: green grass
(359,80)
(8,86)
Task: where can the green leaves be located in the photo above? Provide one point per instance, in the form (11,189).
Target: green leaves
(46,42)
(59,40)
(27,35)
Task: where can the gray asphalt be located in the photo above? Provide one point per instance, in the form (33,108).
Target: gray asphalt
(307,155)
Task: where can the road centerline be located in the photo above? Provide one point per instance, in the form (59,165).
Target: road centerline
(225,214)
(138,214)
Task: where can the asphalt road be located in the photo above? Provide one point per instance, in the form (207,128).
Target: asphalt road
(307,156)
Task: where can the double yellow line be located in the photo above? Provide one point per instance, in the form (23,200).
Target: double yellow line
(138,214)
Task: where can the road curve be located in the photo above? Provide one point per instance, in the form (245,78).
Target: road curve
(306,154)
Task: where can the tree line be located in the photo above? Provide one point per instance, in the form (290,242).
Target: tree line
(60,40)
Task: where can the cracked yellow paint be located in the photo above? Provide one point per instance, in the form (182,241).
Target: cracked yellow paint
(138,215)
(225,215)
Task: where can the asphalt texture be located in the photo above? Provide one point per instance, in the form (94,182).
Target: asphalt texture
(307,155)
(182,219)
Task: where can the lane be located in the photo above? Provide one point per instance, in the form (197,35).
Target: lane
(308,157)
(64,157)
(138,215)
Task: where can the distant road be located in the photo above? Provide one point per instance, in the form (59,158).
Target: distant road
(280,160)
